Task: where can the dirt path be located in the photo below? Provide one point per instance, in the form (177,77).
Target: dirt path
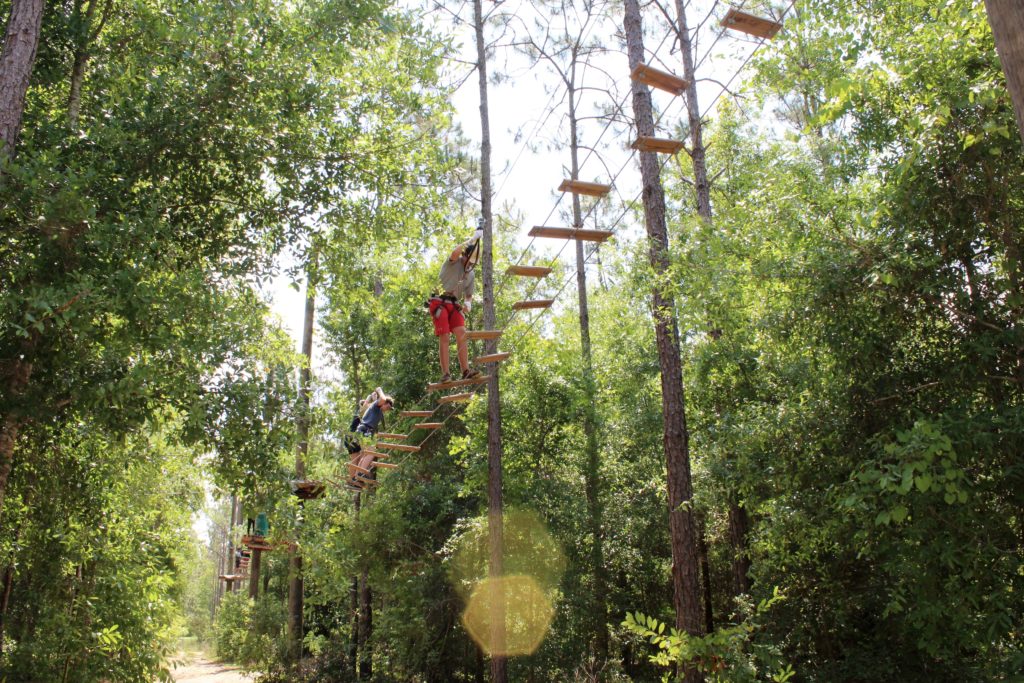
(205,671)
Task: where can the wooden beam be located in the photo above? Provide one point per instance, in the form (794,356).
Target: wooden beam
(454,398)
(399,447)
(416,413)
(387,465)
(584,188)
(492,358)
(357,468)
(657,145)
(428,425)
(570,233)
(662,80)
(759,27)
(476,335)
(529,271)
(538,303)
(373,453)
(441,386)
(389,435)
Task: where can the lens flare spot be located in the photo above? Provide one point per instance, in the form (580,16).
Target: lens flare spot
(508,616)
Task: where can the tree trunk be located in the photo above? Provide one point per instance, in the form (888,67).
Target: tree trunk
(495,524)
(365,627)
(5,599)
(592,475)
(739,527)
(701,187)
(19,52)
(705,578)
(685,572)
(232,564)
(254,573)
(302,427)
(1007,20)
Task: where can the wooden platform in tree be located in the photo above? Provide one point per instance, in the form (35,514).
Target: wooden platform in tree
(428,425)
(256,543)
(389,435)
(399,447)
(536,303)
(657,145)
(529,271)
(454,398)
(477,335)
(662,80)
(307,490)
(759,27)
(584,188)
(416,413)
(441,386)
(570,233)
(492,358)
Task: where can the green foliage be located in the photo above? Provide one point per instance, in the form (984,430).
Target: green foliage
(249,633)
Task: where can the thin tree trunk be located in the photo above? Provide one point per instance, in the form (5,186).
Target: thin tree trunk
(592,475)
(739,527)
(365,626)
(701,187)
(705,578)
(302,427)
(685,572)
(232,564)
(1007,20)
(19,52)
(5,599)
(495,524)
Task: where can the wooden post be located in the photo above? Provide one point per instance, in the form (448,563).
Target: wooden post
(499,666)
(1007,20)
(675,439)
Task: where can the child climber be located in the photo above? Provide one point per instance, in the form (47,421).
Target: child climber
(456,283)
(372,409)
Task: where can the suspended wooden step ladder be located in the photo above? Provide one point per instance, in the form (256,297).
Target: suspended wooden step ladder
(416,413)
(307,490)
(472,381)
(662,80)
(536,303)
(657,145)
(399,447)
(454,398)
(477,335)
(570,233)
(389,435)
(759,27)
(529,271)
(428,425)
(492,358)
(584,188)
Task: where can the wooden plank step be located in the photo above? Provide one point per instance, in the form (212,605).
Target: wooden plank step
(356,468)
(492,358)
(584,188)
(476,335)
(759,27)
(389,435)
(570,233)
(416,413)
(538,303)
(387,465)
(656,145)
(454,398)
(373,453)
(662,80)
(441,386)
(529,271)
(428,425)
(399,447)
